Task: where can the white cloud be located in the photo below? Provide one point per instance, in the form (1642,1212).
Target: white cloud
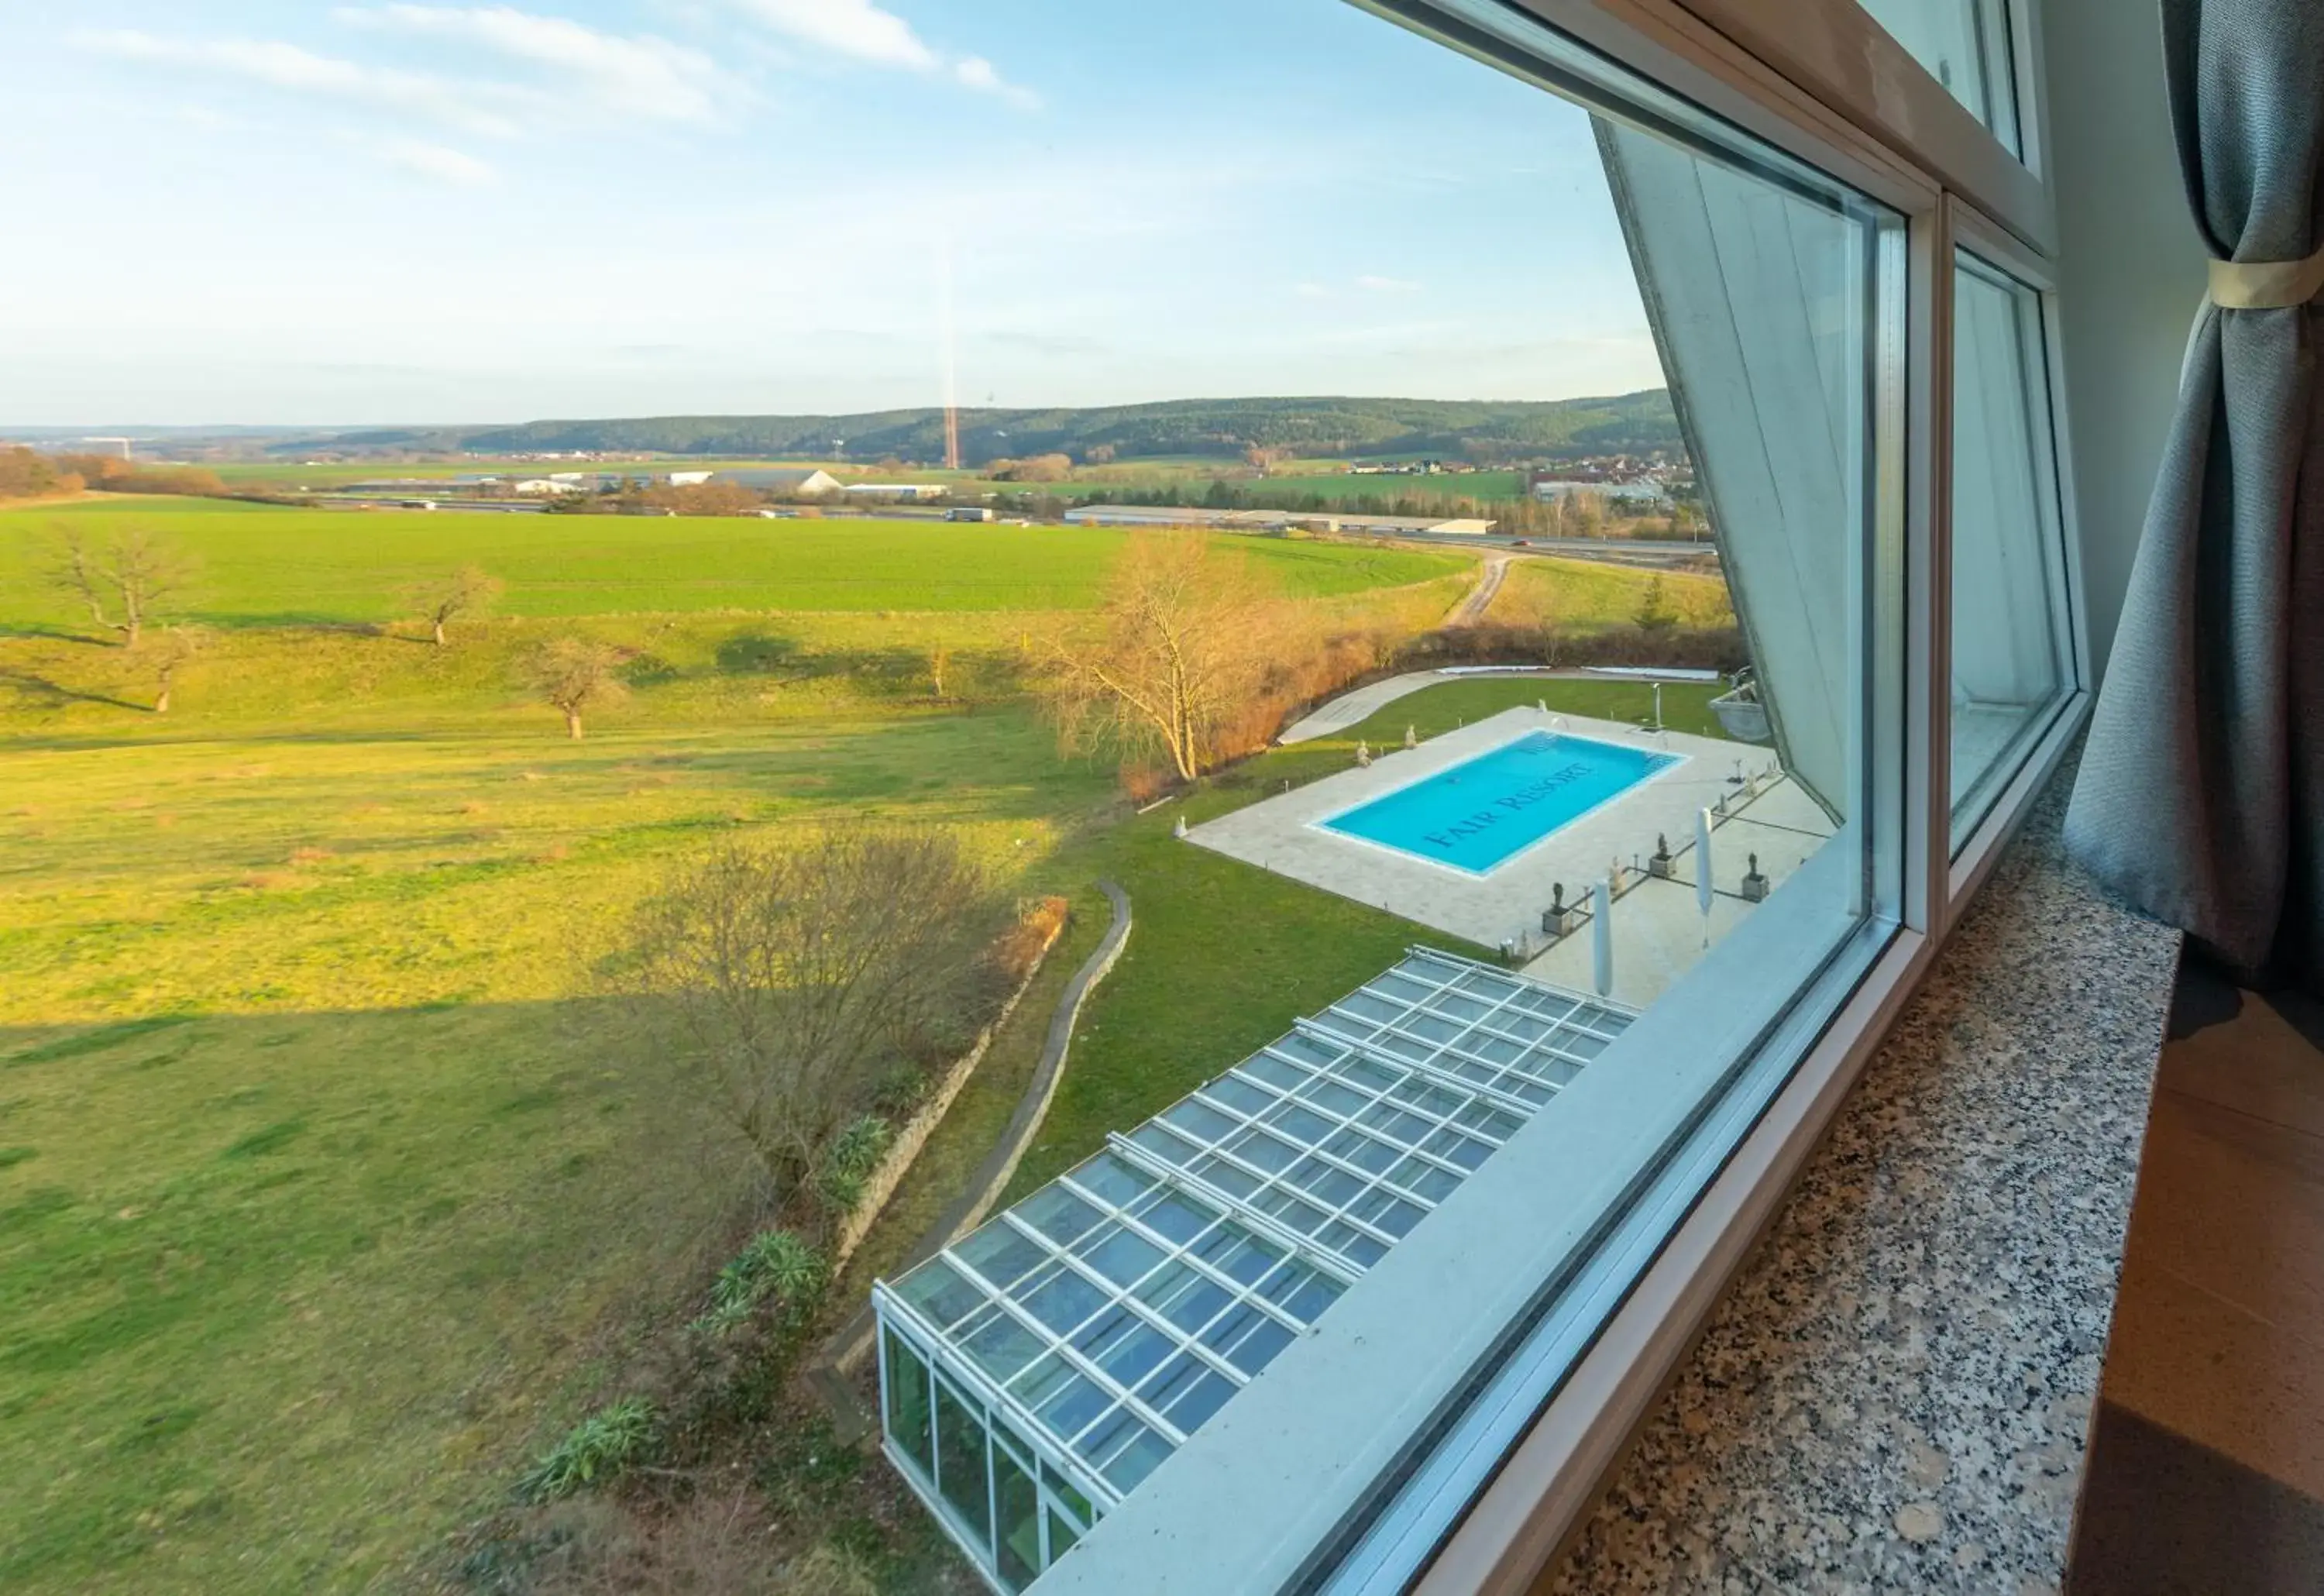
(982,75)
(864,32)
(437,162)
(478,108)
(644,76)
(854,28)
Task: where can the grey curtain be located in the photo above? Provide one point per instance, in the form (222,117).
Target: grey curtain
(2201,793)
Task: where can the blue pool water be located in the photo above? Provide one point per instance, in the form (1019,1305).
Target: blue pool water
(1479,813)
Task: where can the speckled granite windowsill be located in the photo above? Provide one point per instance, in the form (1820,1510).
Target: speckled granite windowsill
(1896,1394)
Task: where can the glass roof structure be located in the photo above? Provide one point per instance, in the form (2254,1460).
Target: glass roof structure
(1035,1371)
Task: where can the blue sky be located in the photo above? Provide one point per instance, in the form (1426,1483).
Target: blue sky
(275,213)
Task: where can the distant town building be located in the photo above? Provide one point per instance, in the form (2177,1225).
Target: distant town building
(540,487)
(689,479)
(800,482)
(1595,478)
(968,512)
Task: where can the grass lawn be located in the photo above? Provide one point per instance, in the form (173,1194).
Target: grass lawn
(1583,596)
(312,1239)
(319,1204)
(263,565)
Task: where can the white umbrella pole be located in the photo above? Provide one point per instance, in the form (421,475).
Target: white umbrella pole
(1702,888)
(1601,937)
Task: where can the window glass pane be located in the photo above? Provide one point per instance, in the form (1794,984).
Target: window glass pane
(1075,1502)
(1966,44)
(1683,877)
(961,1462)
(1017,1549)
(2010,668)
(906,1407)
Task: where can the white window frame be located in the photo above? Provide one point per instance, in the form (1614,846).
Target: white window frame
(1835,51)
(1968,230)
(1820,80)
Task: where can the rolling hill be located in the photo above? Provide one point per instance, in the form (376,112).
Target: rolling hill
(1632,423)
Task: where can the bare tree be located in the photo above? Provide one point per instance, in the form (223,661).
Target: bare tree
(176,648)
(75,570)
(135,569)
(1589,513)
(794,978)
(573,674)
(469,590)
(1549,626)
(1183,649)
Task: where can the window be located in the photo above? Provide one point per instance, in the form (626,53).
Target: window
(904,1380)
(1291,1324)
(962,1471)
(2011,666)
(1967,46)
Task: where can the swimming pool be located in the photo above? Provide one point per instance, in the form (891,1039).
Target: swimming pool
(1482,811)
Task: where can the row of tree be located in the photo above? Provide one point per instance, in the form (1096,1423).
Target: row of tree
(29,473)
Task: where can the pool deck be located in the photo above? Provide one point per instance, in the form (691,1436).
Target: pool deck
(1280,834)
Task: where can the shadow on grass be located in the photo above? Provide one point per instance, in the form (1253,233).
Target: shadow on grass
(46,693)
(59,635)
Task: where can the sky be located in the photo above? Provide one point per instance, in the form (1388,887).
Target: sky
(309,214)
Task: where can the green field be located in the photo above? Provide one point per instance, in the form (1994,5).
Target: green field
(1581,595)
(266,565)
(320,1205)
(322,1200)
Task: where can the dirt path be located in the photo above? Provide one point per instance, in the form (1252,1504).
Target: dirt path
(1471,609)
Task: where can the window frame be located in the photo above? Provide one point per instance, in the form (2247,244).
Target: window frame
(1967,230)
(1851,63)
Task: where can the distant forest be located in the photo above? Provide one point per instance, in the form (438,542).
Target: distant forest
(1565,428)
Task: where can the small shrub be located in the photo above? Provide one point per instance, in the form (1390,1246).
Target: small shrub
(827,1571)
(1142,782)
(839,1184)
(599,1448)
(1016,950)
(1655,613)
(776,1264)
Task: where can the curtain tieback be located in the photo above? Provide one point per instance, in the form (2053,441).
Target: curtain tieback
(2266,285)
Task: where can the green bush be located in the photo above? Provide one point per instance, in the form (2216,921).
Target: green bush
(599,1448)
(776,1264)
(853,1155)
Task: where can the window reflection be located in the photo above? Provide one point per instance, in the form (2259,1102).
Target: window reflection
(2009,668)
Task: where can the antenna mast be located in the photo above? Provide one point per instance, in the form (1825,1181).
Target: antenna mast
(947,332)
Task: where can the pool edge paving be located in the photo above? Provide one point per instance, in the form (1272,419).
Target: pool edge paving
(1282,834)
